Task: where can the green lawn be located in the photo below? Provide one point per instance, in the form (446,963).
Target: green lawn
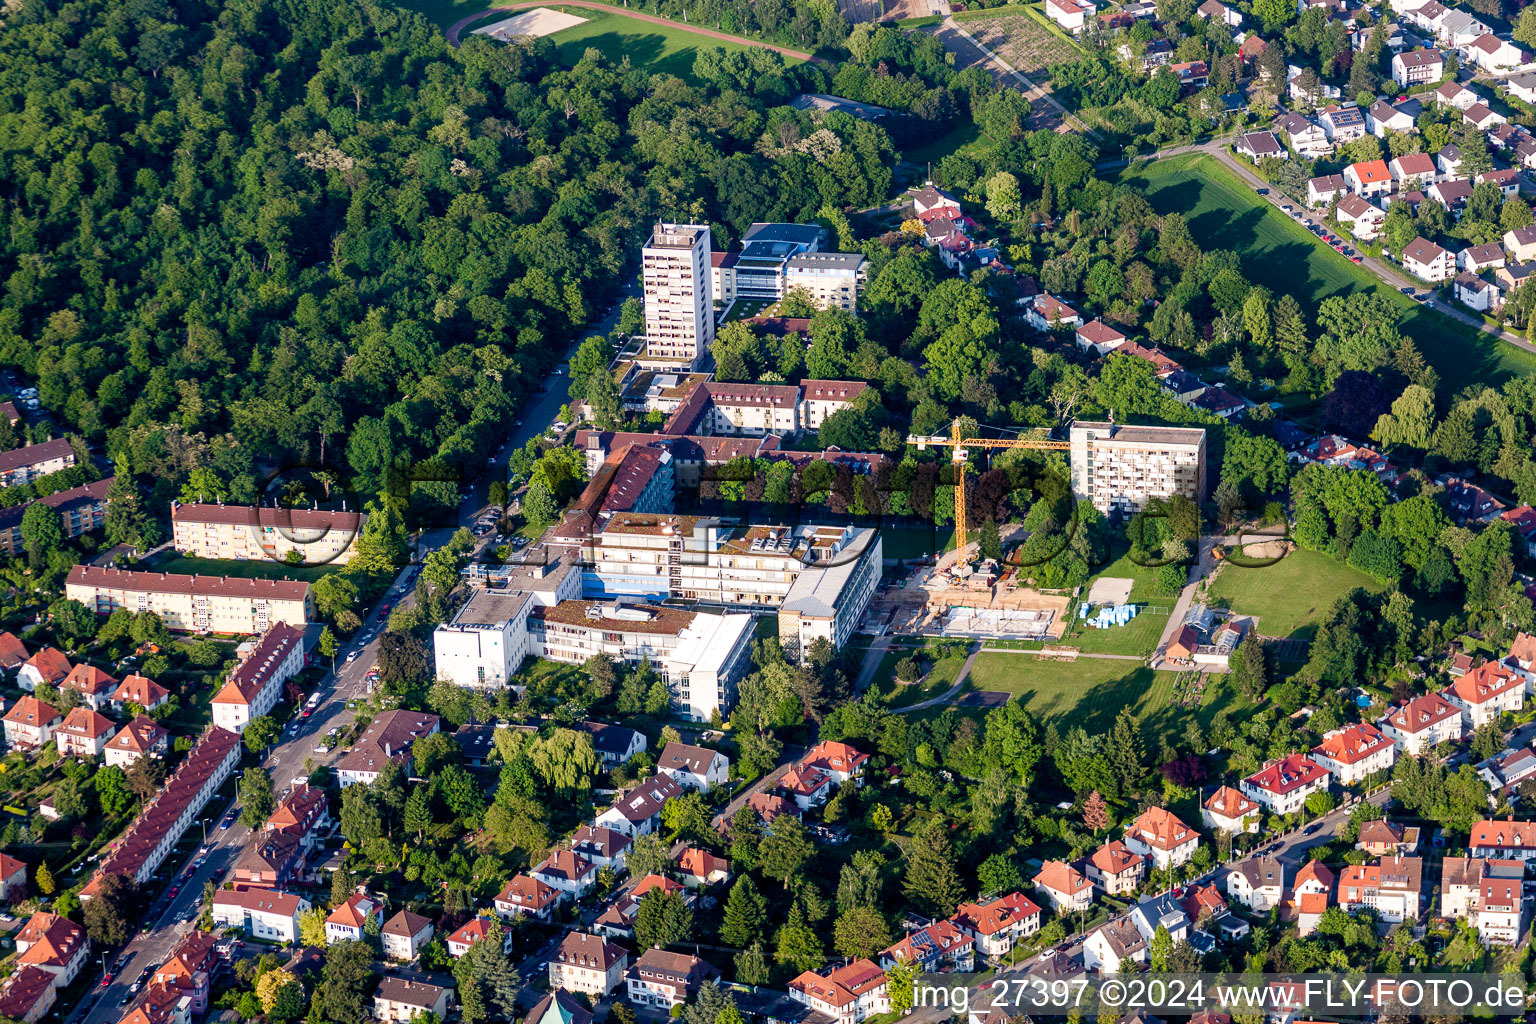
(941,676)
(265,569)
(1091,691)
(1224,213)
(1289,596)
(1140,635)
(665,50)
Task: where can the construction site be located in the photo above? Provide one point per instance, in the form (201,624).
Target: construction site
(985,600)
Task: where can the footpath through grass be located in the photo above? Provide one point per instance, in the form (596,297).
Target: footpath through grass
(1291,596)
(1224,213)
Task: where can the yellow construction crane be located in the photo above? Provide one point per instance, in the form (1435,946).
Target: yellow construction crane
(958,455)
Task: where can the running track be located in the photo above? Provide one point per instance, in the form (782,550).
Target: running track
(458,26)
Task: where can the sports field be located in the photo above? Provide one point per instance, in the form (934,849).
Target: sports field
(1290,596)
(1224,213)
(1091,691)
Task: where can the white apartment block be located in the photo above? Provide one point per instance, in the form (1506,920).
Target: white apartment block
(320,536)
(679,310)
(1120,468)
(829,278)
(700,655)
(257,682)
(193,604)
(819,579)
(25,464)
(81,510)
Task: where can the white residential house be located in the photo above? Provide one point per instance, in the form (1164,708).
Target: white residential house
(1503,839)
(1228,810)
(1475,259)
(1047,313)
(1454,94)
(1364,219)
(998,923)
(399,1000)
(1520,243)
(1416,67)
(1369,178)
(1490,53)
(1355,752)
(1258,883)
(1325,189)
(1160,836)
(1283,785)
(1522,87)
(1391,887)
(1216,9)
(348,921)
(567,871)
(1114,945)
(639,810)
(1483,117)
(1507,180)
(1478,293)
(1423,723)
(1384,117)
(526,896)
(697,768)
(1485,693)
(1099,338)
(1342,123)
(1257,145)
(1428,261)
(1305,136)
(847,994)
(1071,15)
(1458,29)
(589,964)
(261,913)
(405,934)
(1413,170)
(1450,161)
(1066,888)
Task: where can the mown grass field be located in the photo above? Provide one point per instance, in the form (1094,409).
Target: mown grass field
(1091,691)
(1290,596)
(1224,213)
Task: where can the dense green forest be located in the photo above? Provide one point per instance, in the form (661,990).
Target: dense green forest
(262,233)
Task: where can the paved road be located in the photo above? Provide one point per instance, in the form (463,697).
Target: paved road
(453,30)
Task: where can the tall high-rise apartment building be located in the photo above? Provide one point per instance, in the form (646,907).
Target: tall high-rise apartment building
(679,308)
(1120,468)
